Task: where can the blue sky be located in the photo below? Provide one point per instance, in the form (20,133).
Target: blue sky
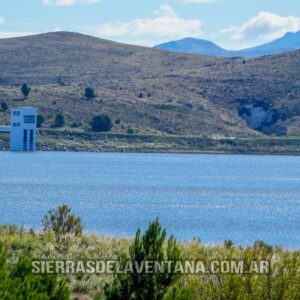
(233,24)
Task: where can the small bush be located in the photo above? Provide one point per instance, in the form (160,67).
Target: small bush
(4,106)
(89,93)
(18,281)
(130,131)
(40,121)
(170,107)
(62,222)
(59,120)
(228,244)
(101,123)
(75,125)
(25,89)
(142,285)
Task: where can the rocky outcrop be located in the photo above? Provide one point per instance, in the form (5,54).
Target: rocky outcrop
(259,116)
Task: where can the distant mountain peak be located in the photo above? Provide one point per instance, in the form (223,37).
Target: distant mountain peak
(192,45)
(289,42)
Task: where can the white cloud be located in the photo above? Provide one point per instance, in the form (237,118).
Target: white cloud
(69,2)
(59,2)
(164,24)
(263,28)
(197,1)
(56,29)
(11,34)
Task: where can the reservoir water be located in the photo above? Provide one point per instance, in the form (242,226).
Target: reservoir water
(211,197)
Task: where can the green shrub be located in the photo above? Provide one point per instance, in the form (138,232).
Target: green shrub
(170,107)
(18,281)
(25,89)
(40,121)
(59,120)
(89,93)
(130,131)
(101,123)
(142,285)
(62,222)
(4,106)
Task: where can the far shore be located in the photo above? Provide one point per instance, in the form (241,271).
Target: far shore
(77,141)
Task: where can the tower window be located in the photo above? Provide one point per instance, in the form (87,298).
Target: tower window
(29,119)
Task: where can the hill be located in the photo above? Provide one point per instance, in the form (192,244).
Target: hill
(196,46)
(289,42)
(147,92)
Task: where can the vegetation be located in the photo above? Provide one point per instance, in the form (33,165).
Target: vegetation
(25,89)
(89,93)
(101,123)
(62,222)
(214,88)
(40,121)
(130,131)
(4,106)
(59,120)
(147,247)
(70,140)
(17,281)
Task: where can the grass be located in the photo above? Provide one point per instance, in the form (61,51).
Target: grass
(96,247)
(78,140)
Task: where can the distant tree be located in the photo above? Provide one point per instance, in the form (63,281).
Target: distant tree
(89,93)
(25,89)
(62,222)
(59,120)
(228,244)
(40,121)
(101,123)
(4,106)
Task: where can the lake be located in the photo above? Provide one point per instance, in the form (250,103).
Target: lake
(211,197)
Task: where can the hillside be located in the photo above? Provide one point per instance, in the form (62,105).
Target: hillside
(149,92)
(289,42)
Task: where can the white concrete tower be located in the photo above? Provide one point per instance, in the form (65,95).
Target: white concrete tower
(23,122)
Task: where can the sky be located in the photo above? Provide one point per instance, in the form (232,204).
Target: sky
(232,24)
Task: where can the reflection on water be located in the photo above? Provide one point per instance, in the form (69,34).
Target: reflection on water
(213,197)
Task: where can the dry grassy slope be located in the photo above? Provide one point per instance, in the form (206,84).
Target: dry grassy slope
(200,95)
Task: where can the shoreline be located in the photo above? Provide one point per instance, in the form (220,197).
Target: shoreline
(296,154)
(77,141)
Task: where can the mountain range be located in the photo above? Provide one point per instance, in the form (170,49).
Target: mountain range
(289,42)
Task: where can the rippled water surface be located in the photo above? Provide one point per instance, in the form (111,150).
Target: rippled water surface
(213,197)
